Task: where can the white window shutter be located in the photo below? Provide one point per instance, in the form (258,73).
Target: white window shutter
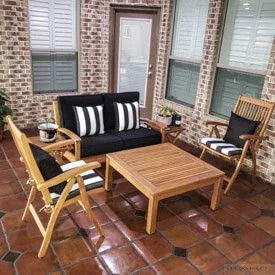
(64,24)
(248,34)
(265,32)
(39,18)
(189,29)
(65,72)
(52,24)
(229,86)
(183,81)
(42,72)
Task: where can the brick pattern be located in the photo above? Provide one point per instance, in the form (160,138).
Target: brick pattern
(267,150)
(15,66)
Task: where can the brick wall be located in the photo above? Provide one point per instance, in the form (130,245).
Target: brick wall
(15,66)
(266,154)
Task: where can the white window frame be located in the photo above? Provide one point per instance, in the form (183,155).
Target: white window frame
(58,50)
(233,69)
(179,59)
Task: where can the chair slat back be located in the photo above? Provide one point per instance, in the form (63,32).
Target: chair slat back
(56,113)
(22,144)
(255,109)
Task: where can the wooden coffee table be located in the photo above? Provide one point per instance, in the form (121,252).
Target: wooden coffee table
(162,171)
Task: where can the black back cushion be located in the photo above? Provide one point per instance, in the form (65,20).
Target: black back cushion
(239,126)
(48,167)
(66,103)
(108,109)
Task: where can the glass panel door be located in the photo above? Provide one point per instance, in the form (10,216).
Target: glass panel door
(134,55)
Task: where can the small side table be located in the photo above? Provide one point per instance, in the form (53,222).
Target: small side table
(172,133)
(36,140)
(62,148)
(169,133)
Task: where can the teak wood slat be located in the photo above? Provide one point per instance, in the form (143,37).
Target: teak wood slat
(253,109)
(161,171)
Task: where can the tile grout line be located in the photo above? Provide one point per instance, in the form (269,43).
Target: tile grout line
(89,242)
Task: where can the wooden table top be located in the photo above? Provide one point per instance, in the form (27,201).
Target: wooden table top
(36,140)
(159,168)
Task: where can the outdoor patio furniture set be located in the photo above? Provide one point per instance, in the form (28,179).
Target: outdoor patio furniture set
(106,128)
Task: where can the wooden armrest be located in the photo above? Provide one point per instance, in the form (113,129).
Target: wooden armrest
(58,145)
(252,137)
(216,123)
(154,124)
(69,134)
(76,140)
(68,174)
(214,128)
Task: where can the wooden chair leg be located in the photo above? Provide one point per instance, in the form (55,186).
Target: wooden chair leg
(90,213)
(203,153)
(30,200)
(85,204)
(55,212)
(238,167)
(235,174)
(254,166)
(233,177)
(48,233)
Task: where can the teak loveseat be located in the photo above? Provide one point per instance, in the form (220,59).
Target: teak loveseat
(94,147)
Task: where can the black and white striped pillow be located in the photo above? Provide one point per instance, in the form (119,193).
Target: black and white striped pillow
(89,120)
(126,116)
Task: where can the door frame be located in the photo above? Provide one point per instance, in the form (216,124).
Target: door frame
(114,9)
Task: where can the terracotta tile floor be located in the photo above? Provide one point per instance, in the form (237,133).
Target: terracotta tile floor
(190,238)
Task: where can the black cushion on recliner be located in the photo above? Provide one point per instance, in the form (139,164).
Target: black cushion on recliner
(139,137)
(66,104)
(239,126)
(48,167)
(100,144)
(108,109)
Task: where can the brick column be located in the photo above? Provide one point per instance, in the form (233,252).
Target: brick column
(266,153)
(15,62)
(209,61)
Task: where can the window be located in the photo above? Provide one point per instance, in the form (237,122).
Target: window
(246,45)
(187,46)
(53,38)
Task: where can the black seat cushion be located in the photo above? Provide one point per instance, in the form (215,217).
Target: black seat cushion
(48,167)
(66,103)
(139,137)
(100,144)
(239,126)
(109,111)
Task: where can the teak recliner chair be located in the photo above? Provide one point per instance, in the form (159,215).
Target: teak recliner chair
(68,186)
(244,134)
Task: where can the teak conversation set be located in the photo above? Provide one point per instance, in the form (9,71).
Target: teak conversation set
(158,170)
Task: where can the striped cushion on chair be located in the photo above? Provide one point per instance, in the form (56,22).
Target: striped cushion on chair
(91,180)
(126,116)
(89,120)
(221,146)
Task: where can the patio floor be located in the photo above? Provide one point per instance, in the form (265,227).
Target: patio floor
(190,238)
